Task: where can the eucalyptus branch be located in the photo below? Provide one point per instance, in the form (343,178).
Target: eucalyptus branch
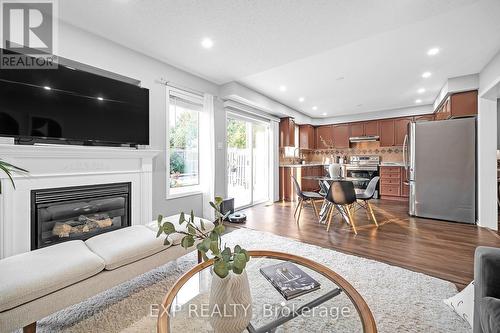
(225,260)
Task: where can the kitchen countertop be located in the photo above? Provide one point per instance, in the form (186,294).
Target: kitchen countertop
(386,164)
(396,164)
(301,165)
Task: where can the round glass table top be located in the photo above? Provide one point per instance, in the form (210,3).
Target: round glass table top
(334,307)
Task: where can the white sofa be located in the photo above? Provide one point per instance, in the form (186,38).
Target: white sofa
(36,284)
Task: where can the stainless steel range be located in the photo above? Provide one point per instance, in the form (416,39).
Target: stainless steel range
(363,167)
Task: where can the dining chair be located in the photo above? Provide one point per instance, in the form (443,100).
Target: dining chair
(363,198)
(305,197)
(324,186)
(342,196)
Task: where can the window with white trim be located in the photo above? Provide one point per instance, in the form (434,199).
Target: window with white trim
(183,157)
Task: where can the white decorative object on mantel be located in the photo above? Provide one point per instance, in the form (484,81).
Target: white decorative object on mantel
(53,166)
(6,141)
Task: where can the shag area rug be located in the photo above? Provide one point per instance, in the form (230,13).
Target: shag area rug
(401,300)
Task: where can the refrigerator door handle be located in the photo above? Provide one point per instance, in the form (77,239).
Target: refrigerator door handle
(405,154)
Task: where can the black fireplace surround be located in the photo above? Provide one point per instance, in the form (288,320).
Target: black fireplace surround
(79,212)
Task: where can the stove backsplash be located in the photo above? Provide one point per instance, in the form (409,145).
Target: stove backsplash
(387,154)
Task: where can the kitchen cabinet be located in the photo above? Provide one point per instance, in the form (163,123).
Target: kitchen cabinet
(287,132)
(287,189)
(357,129)
(386,133)
(393,131)
(284,183)
(400,130)
(463,104)
(392,183)
(310,184)
(341,136)
(372,128)
(325,132)
(405,187)
(444,111)
(306,137)
(366,128)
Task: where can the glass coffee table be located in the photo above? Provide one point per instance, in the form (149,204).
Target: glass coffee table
(335,307)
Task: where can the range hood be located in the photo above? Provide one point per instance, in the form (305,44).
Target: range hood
(364,138)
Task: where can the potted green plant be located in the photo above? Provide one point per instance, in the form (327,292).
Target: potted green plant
(230,291)
(9,169)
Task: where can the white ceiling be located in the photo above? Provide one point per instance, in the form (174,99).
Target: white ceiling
(378,47)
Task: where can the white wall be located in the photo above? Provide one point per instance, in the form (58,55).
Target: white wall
(489,81)
(498,125)
(81,46)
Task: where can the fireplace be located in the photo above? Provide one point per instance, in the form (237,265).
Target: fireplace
(79,212)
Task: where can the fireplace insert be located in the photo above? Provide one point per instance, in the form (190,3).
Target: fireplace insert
(80,212)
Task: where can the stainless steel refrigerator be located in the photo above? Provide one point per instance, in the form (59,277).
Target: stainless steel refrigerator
(441,169)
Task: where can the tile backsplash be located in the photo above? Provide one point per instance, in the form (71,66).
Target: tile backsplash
(387,154)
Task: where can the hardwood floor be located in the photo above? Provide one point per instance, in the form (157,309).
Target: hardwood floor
(437,248)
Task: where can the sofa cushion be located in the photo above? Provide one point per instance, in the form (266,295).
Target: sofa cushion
(28,276)
(463,303)
(490,314)
(176,238)
(126,245)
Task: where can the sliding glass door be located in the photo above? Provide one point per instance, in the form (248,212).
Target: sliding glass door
(247,160)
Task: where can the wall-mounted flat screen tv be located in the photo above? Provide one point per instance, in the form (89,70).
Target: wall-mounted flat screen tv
(72,105)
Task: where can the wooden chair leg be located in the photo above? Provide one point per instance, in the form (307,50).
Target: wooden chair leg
(300,210)
(330,218)
(351,219)
(31,328)
(370,208)
(297,207)
(315,208)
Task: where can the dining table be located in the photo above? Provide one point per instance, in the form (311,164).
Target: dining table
(326,206)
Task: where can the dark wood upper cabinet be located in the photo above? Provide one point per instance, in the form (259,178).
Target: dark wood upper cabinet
(463,104)
(306,137)
(341,136)
(401,130)
(386,133)
(287,132)
(357,129)
(324,132)
(365,128)
(372,127)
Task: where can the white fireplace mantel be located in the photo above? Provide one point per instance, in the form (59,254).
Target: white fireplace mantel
(52,166)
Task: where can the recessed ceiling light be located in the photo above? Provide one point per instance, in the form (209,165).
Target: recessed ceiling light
(207,43)
(314,108)
(421,90)
(425,75)
(323,114)
(301,99)
(100,98)
(433,51)
(418,101)
(282,88)
(47,88)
